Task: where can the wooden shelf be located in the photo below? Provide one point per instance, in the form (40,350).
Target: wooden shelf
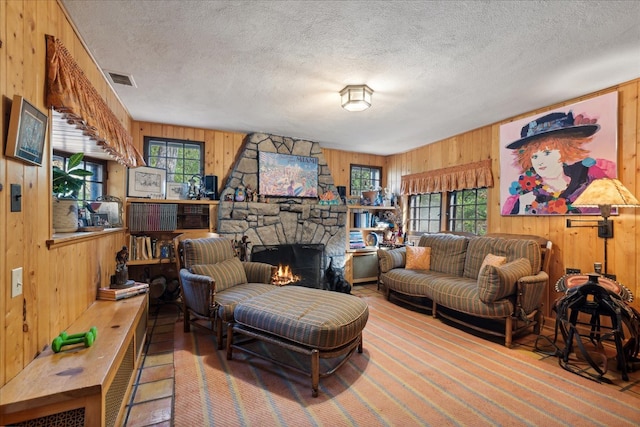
(179,202)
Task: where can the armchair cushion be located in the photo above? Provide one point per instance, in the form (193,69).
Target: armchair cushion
(226,274)
(206,251)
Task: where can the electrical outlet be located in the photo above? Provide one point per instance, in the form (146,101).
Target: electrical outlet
(16,282)
(573,271)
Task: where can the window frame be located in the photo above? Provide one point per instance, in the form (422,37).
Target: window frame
(448,212)
(98,164)
(171,175)
(358,190)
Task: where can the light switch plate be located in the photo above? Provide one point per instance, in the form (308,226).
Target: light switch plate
(16,282)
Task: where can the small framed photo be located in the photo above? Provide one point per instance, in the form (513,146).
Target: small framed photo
(27,131)
(147,182)
(176,190)
(100,220)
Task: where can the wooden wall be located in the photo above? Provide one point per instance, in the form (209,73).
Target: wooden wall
(573,247)
(59,283)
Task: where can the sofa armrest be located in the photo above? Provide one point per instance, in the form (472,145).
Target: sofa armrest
(198,292)
(530,292)
(393,258)
(259,272)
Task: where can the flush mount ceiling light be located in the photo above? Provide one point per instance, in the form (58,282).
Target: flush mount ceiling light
(356,97)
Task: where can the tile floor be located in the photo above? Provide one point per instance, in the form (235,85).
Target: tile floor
(152,397)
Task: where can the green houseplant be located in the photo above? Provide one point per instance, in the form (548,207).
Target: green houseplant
(67,182)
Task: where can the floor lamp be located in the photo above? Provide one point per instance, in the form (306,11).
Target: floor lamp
(605,193)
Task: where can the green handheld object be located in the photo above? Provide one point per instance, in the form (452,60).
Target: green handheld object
(86,338)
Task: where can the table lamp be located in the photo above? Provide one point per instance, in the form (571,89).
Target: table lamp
(605,193)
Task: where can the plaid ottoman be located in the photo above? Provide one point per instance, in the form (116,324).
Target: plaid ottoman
(315,322)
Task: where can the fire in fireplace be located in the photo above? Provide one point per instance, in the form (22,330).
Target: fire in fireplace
(303,260)
(284,276)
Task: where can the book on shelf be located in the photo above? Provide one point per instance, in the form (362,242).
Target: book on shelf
(118,294)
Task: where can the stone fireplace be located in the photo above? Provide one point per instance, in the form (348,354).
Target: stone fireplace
(282,220)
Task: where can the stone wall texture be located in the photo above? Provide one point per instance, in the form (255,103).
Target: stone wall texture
(282,220)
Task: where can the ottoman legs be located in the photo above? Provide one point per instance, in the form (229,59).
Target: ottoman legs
(315,372)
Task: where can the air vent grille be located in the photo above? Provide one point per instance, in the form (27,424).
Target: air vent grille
(121,79)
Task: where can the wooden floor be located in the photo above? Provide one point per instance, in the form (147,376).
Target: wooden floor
(152,399)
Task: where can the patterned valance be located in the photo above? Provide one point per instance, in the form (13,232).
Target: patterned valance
(472,175)
(70,92)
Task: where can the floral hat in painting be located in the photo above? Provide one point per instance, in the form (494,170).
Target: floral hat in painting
(560,124)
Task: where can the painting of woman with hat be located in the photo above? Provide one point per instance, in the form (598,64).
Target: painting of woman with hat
(555,161)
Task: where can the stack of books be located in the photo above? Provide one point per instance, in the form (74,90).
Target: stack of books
(356,241)
(118,294)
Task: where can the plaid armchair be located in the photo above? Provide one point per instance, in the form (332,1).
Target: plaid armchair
(214,281)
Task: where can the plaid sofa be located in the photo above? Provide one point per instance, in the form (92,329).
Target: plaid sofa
(511,293)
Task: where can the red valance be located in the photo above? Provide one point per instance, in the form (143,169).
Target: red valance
(462,177)
(70,92)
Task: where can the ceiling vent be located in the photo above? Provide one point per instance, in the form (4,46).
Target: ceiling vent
(121,78)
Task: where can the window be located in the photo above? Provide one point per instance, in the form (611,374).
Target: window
(94,186)
(364,178)
(181,159)
(424,212)
(468,211)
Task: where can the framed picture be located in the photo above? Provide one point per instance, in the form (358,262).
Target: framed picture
(146,182)
(27,130)
(100,220)
(287,175)
(176,190)
(548,159)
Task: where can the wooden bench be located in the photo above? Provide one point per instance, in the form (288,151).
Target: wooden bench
(82,386)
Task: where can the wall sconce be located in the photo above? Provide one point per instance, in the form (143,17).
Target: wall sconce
(356,97)
(604,193)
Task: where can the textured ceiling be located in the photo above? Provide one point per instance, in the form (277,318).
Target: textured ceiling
(437,68)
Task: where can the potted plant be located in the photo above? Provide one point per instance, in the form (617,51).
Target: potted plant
(67,182)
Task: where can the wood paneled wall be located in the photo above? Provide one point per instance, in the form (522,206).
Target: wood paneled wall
(573,247)
(58,284)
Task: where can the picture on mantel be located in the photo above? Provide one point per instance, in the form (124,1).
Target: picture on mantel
(286,175)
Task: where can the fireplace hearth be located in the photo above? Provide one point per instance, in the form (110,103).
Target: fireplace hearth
(304,260)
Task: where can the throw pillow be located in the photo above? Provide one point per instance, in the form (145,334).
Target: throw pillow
(394,258)
(492,259)
(418,258)
(226,274)
(495,283)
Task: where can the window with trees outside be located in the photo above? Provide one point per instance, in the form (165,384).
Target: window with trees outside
(466,212)
(94,185)
(425,212)
(181,159)
(364,178)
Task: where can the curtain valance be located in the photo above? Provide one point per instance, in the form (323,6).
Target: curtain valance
(472,175)
(70,92)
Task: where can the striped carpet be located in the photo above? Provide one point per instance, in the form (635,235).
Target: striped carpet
(415,370)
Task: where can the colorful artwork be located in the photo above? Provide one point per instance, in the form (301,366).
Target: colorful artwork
(547,160)
(286,175)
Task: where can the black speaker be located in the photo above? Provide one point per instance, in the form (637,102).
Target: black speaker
(342,192)
(211,186)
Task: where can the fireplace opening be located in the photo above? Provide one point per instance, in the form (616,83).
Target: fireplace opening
(304,260)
